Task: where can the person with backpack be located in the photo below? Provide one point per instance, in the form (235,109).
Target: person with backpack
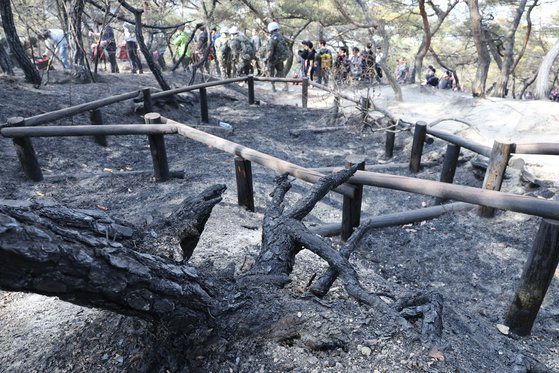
(223,52)
(242,52)
(277,52)
(341,66)
(108,42)
(324,62)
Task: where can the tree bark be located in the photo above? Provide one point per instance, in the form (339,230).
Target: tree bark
(29,69)
(543,86)
(81,256)
(478,88)
(502,81)
(425,43)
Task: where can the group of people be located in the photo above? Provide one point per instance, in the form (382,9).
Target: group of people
(319,64)
(444,82)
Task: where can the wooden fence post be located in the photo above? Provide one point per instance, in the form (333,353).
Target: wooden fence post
(157,148)
(495,173)
(364,107)
(204,105)
(148,102)
(351,210)
(250,81)
(449,167)
(305,92)
(536,277)
(245,193)
(96,118)
(417,146)
(389,144)
(25,152)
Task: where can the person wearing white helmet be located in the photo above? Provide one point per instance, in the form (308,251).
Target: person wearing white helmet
(277,52)
(242,51)
(223,51)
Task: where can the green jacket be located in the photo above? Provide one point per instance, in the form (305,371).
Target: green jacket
(180,43)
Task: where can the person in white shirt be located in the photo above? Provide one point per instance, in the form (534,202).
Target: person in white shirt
(132,48)
(56,41)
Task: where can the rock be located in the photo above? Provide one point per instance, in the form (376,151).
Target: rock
(313,360)
(366,351)
(505,330)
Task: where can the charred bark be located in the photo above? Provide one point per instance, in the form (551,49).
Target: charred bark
(29,69)
(82,256)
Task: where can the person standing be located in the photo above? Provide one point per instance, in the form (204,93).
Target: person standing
(277,52)
(356,61)
(256,45)
(341,66)
(310,66)
(108,42)
(56,42)
(223,51)
(182,52)
(132,48)
(324,62)
(241,51)
(378,58)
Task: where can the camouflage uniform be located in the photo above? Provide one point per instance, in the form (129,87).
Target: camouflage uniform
(242,53)
(276,54)
(223,51)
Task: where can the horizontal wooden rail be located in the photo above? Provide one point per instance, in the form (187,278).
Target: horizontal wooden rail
(374,167)
(270,79)
(398,218)
(77,109)
(197,86)
(106,130)
(537,148)
(336,93)
(505,201)
(460,141)
(249,154)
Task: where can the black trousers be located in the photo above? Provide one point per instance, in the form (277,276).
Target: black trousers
(132,49)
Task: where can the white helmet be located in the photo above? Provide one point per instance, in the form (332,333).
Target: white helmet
(273,26)
(224,30)
(233,30)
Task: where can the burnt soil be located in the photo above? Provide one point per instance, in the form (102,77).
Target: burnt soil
(475,263)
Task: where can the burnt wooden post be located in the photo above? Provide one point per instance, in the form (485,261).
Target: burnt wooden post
(449,167)
(250,81)
(25,152)
(351,210)
(305,92)
(148,103)
(245,193)
(417,146)
(389,144)
(157,148)
(204,105)
(96,118)
(495,173)
(364,107)
(536,277)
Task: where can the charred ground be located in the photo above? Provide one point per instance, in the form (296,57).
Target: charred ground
(473,262)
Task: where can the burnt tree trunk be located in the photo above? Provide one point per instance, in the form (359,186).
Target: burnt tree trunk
(478,88)
(543,86)
(82,256)
(29,69)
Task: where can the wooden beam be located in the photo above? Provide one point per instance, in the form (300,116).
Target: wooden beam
(157,148)
(73,110)
(495,173)
(389,143)
(196,86)
(274,80)
(462,142)
(105,130)
(417,146)
(148,102)
(536,277)
(501,200)
(398,218)
(255,156)
(204,116)
(537,148)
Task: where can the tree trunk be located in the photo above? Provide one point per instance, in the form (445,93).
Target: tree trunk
(543,87)
(29,69)
(145,51)
(76,36)
(425,43)
(502,81)
(478,88)
(74,255)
